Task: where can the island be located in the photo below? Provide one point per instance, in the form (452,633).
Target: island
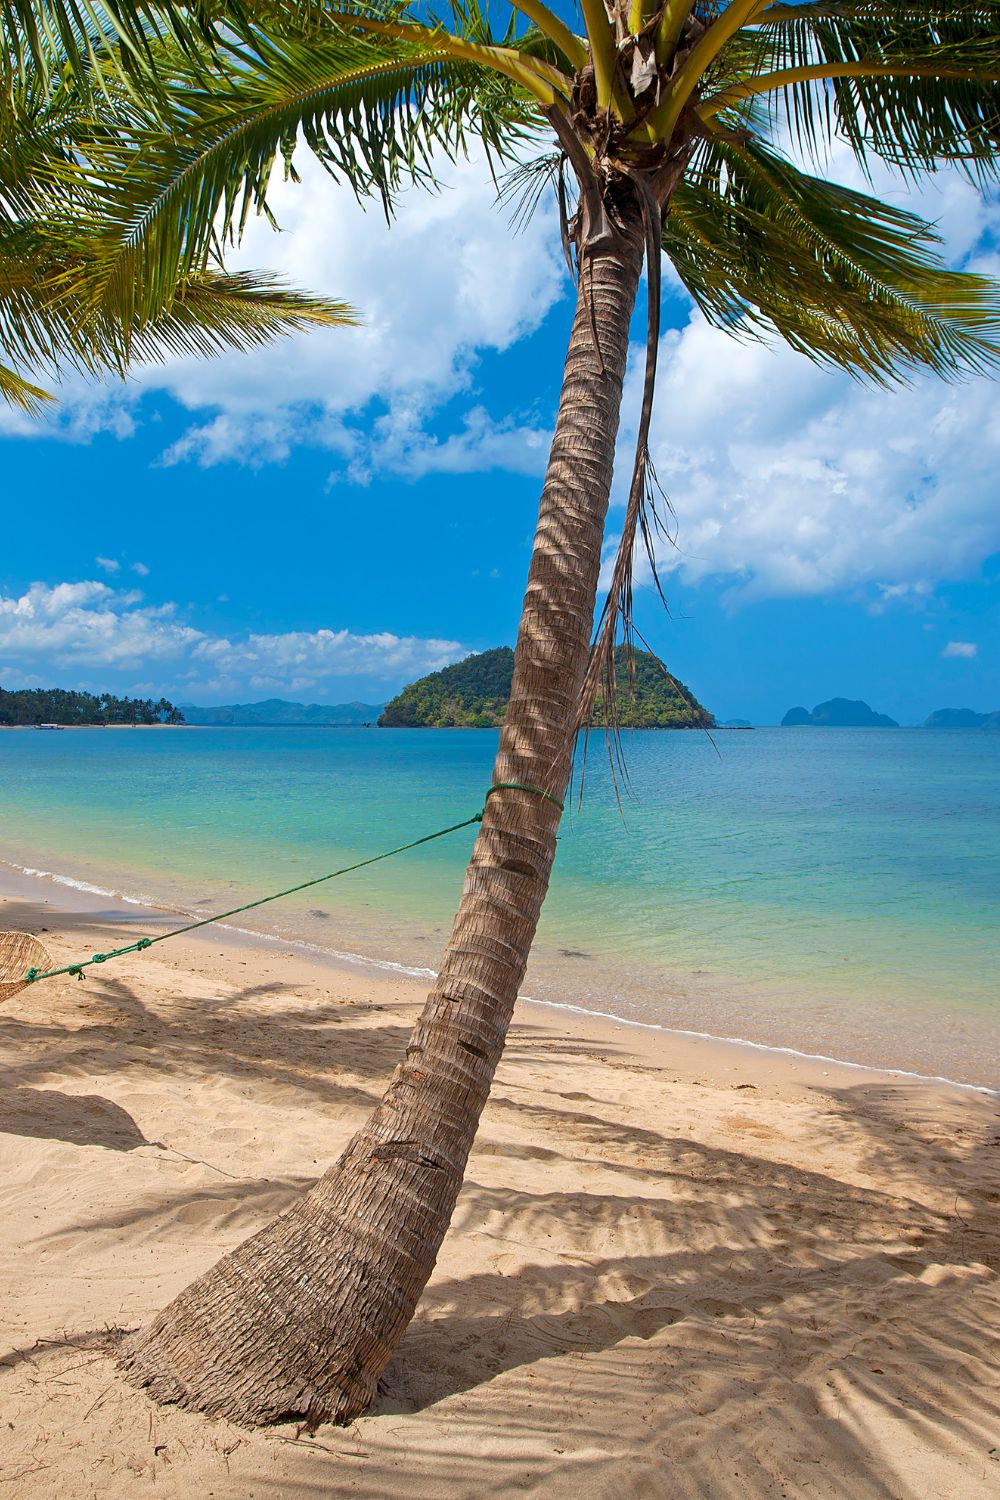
(473,694)
(838,713)
(962,718)
(62,708)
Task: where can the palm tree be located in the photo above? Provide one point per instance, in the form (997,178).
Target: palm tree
(661,125)
(53,127)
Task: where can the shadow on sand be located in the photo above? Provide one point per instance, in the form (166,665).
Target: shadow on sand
(647,1330)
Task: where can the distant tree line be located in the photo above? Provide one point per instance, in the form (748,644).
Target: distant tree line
(60,706)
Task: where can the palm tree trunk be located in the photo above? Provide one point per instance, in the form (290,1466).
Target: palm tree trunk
(301,1319)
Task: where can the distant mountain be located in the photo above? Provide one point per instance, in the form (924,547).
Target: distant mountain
(275,711)
(962,718)
(838,713)
(736,724)
(473,694)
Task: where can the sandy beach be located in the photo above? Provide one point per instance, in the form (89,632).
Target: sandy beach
(677,1268)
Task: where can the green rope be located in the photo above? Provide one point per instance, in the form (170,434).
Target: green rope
(521,786)
(34,975)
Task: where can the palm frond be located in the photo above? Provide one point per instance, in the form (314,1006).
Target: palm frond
(217,310)
(373,110)
(21,393)
(46,326)
(522,187)
(765,248)
(926,90)
(47,127)
(115,39)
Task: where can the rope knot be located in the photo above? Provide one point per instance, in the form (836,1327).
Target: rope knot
(143,943)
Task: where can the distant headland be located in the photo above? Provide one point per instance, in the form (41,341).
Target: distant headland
(473,694)
(962,718)
(838,713)
(275,712)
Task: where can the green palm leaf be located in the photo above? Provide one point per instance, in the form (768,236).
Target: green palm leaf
(931,95)
(54,236)
(377,91)
(373,110)
(18,392)
(45,325)
(52,249)
(114,38)
(765,248)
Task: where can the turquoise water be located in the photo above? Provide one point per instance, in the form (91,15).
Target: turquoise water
(835,891)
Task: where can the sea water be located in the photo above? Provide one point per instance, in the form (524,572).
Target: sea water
(830,890)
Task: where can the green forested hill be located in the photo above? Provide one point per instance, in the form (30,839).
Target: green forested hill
(653,700)
(473,694)
(60,706)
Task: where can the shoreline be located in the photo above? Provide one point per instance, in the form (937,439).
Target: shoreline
(52,728)
(20,882)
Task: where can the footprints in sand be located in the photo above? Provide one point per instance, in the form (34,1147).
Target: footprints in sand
(741,1125)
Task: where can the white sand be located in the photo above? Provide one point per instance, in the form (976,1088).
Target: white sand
(677,1269)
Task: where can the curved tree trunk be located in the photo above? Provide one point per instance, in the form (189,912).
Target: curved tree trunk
(301,1319)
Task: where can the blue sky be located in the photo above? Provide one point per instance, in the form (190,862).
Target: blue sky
(325,520)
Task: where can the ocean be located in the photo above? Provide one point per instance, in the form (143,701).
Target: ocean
(835,892)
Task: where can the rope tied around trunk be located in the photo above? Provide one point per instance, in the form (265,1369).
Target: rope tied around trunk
(522,786)
(33,975)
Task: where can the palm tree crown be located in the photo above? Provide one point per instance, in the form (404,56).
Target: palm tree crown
(698,97)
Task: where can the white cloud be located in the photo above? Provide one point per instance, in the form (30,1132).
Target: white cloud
(89,627)
(300,659)
(84,411)
(84,624)
(141,569)
(448,280)
(107,564)
(401,444)
(789,479)
(967,649)
(915,594)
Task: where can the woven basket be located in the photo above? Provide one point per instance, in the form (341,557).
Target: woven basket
(19,952)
